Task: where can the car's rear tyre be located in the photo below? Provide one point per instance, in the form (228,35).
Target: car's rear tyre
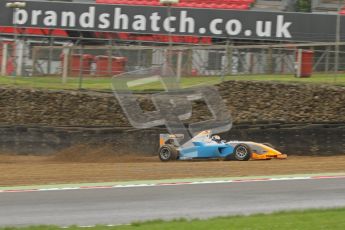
(242,152)
(168,153)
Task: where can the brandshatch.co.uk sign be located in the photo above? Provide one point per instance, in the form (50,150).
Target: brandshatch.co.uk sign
(230,24)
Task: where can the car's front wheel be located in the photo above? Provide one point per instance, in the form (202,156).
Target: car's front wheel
(242,152)
(168,153)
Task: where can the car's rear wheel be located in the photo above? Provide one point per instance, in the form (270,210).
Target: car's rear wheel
(242,152)
(168,153)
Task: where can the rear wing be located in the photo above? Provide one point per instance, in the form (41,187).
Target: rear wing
(169,139)
(172,139)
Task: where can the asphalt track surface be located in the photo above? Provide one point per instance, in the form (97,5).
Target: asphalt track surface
(125,205)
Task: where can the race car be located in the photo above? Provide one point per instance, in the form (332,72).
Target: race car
(206,146)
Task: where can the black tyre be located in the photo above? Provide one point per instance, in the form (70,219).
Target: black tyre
(269,145)
(242,152)
(168,153)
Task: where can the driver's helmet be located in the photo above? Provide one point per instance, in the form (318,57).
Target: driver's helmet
(216,138)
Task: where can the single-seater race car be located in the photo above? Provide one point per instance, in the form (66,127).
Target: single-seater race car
(205,146)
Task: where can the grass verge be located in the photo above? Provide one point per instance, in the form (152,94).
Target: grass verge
(303,220)
(105,83)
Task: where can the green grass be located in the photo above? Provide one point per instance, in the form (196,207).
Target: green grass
(298,220)
(105,83)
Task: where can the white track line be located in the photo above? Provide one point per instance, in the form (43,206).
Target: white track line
(177,183)
(93,226)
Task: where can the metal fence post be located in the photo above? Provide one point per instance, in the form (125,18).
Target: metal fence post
(270,61)
(337,41)
(4,59)
(179,65)
(229,53)
(110,57)
(81,67)
(299,63)
(34,60)
(50,54)
(66,52)
(20,59)
(189,61)
(327,59)
(166,62)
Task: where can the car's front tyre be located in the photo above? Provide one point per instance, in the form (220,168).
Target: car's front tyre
(242,152)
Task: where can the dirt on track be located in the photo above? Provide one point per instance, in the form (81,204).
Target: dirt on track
(75,166)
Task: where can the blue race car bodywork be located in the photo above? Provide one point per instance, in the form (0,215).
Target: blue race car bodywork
(206,150)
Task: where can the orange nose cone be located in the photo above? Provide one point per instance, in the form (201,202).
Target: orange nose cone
(269,154)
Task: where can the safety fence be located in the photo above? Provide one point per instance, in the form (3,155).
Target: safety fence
(69,63)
